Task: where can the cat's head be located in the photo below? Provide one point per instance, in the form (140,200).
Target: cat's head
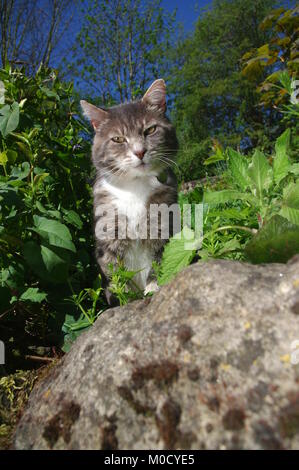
(134,139)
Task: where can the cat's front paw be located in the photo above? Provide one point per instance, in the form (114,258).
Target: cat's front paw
(151,287)
(112,300)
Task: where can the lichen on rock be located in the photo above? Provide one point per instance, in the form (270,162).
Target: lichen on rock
(206,363)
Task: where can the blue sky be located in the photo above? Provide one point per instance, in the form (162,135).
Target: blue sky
(187,13)
(187,10)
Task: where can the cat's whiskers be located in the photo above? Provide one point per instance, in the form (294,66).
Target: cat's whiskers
(166,160)
(110,172)
(162,161)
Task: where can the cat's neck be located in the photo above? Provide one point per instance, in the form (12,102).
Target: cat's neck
(144,183)
(128,181)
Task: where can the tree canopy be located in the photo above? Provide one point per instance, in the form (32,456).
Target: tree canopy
(121,45)
(213,99)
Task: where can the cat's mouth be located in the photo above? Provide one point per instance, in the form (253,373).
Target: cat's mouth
(143,165)
(143,168)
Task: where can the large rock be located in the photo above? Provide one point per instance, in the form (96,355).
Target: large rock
(206,363)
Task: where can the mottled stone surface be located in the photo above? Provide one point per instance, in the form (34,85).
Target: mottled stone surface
(205,364)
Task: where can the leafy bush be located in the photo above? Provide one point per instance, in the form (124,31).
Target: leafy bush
(256,217)
(46,245)
(280,53)
(190,159)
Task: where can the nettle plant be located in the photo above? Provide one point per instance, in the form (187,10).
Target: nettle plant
(255,218)
(269,188)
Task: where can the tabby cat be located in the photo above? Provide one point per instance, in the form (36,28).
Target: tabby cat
(133,151)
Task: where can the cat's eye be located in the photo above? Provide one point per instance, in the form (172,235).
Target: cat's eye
(150,130)
(118,139)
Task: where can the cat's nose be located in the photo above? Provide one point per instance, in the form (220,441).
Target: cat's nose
(140,154)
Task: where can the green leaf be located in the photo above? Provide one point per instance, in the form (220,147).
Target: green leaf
(12,156)
(218,156)
(33,294)
(239,169)
(291,195)
(260,172)
(276,242)
(3,158)
(73,328)
(49,93)
(281,164)
(176,256)
(9,118)
(230,245)
(73,218)
(21,172)
(286,81)
(40,207)
(56,233)
(49,263)
(290,203)
(231,213)
(290,214)
(294,168)
(228,195)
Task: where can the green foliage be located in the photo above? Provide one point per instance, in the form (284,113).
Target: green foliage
(256,217)
(213,99)
(9,119)
(177,255)
(277,241)
(273,69)
(88,302)
(45,220)
(190,159)
(261,183)
(280,53)
(122,284)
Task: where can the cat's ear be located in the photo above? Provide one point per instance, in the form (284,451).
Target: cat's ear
(155,97)
(94,114)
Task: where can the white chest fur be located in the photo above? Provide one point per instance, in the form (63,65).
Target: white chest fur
(130,199)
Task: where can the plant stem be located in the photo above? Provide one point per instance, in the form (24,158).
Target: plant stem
(39,358)
(253,231)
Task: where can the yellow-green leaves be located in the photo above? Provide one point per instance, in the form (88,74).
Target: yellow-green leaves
(260,173)
(238,166)
(3,158)
(290,203)
(281,52)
